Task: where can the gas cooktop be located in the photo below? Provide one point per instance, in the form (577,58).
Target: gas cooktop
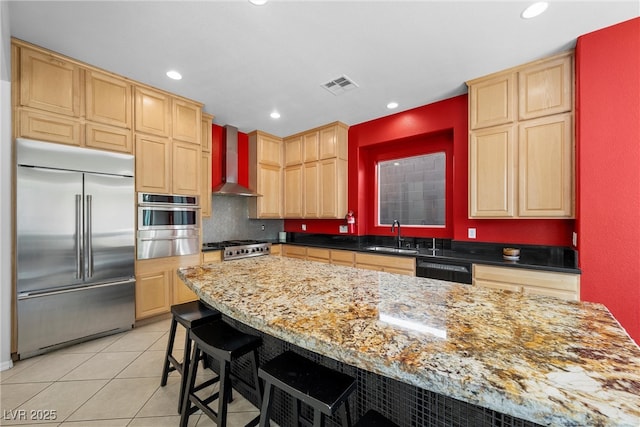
(236,249)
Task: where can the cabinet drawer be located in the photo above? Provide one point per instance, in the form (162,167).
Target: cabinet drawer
(318,254)
(50,127)
(522,276)
(211,256)
(342,257)
(387,263)
(294,251)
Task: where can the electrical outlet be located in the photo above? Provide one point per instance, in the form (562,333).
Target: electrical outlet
(304,227)
(262,227)
(574,239)
(342,228)
(471,233)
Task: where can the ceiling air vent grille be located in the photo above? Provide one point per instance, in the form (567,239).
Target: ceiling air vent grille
(340,85)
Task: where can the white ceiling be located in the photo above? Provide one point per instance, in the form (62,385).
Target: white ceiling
(243,61)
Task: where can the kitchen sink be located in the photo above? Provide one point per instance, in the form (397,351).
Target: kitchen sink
(391,250)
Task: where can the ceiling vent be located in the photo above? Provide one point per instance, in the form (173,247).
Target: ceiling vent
(340,85)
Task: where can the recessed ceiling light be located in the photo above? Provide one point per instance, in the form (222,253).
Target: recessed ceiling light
(534,10)
(392,105)
(257,2)
(275,115)
(173,74)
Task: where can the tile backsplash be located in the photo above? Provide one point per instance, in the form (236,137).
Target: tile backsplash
(230,220)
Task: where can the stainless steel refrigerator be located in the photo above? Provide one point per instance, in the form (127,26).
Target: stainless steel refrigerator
(75,211)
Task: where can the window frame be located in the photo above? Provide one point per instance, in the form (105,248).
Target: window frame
(410,147)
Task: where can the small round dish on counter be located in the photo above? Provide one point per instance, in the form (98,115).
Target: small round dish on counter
(511,254)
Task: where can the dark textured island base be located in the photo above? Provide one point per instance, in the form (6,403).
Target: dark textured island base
(402,403)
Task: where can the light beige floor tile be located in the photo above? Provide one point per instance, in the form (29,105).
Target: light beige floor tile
(164,401)
(148,364)
(178,344)
(61,397)
(14,395)
(171,421)
(117,422)
(92,346)
(49,368)
(102,366)
(134,341)
(120,398)
(18,367)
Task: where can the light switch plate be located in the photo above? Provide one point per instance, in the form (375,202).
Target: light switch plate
(304,227)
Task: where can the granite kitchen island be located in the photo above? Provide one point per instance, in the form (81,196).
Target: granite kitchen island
(540,359)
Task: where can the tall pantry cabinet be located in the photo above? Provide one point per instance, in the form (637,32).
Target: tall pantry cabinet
(521,141)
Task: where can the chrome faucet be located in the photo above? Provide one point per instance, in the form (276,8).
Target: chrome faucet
(396,224)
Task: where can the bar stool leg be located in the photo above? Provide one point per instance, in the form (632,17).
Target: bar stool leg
(265,410)
(345,414)
(191,381)
(223,393)
(186,362)
(172,337)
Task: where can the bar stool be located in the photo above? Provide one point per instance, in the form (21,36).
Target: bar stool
(374,419)
(226,344)
(190,315)
(325,390)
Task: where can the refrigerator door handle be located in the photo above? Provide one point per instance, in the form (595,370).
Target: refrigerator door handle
(78,236)
(89,247)
(28,295)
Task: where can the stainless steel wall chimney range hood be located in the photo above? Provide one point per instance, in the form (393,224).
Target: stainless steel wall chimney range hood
(230,186)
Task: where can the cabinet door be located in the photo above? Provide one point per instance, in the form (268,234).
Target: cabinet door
(497,285)
(545,149)
(492,100)
(107,99)
(109,138)
(50,127)
(50,83)
(546,88)
(328,143)
(186,121)
(153,112)
(291,251)
(319,255)
(340,257)
(206,132)
(186,166)
(181,292)
(205,185)
(311,146)
(311,182)
(269,151)
(333,188)
(270,186)
(492,163)
(153,164)
(293,192)
(153,293)
(293,151)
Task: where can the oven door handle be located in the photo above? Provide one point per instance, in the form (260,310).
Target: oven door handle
(150,239)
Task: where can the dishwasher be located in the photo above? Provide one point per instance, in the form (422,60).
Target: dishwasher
(450,270)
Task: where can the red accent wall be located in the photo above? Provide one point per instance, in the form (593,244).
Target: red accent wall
(422,124)
(608,151)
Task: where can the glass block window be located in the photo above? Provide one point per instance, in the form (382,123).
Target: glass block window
(412,190)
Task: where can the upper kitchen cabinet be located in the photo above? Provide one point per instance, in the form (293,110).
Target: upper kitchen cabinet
(153,111)
(315,178)
(546,87)
(206,179)
(492,100)
(186,121)
(49,82)
(265,175)
(523,167)
(58,99)
(153,164)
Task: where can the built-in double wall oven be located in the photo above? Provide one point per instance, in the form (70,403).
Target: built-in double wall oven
(168,225)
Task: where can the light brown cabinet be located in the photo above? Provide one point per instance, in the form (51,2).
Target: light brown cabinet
(158,286)
(205,184)
(319,255)
(390,264)
(153,164)
(294,251)
(186,121)
(342,257)
(521,143)
(533,282)
(83,107)
(316,173)
(265,175)
(153,111)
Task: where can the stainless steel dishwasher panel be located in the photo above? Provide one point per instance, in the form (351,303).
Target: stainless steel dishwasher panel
(48,320)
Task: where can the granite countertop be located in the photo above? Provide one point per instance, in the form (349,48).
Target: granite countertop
(538,358)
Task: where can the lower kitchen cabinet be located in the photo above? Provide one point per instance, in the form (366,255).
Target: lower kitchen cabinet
(390,264)
(158,286)
(293,251)
(319,255)
(211,256)
(276,250)
(340,257)
(533,282)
